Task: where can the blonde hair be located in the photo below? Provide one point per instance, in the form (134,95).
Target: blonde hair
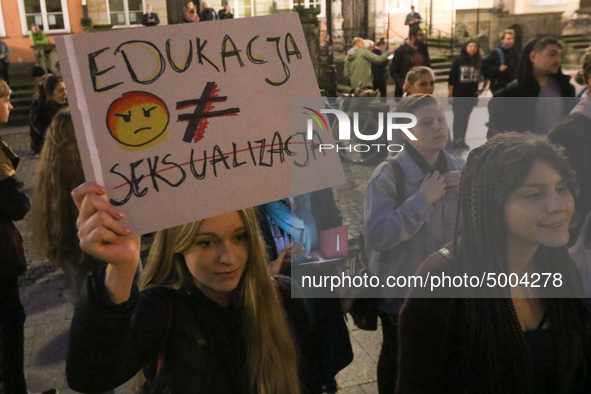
(505,32)
(4,89)
(271,352)
(414,74)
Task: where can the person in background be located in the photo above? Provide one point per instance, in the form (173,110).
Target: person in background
(38,37)
(380,70)
(226,11)
(419,80)
(208,13)
(150,18)
(291,229)
(463,91)
(515,203)
(501,64)
(190,12)
(573,133)
(402,232)
(58,172)
(413,53)
(413,21)
(358,64)
(539,76)
(14,205)
(38,74)
(579,77)
(49,99)
(4,61)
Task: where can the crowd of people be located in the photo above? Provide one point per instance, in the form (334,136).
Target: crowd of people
(211,308)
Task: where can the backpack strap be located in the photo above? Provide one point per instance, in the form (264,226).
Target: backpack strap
(398,181)
(501,55)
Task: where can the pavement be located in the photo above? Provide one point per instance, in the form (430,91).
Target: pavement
(49,314)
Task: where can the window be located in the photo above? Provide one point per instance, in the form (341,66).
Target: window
(125,12)
(401,5)
(319,4)
(242,8)
(50,15)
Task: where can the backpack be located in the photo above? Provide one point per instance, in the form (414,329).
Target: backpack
(364,311)
(485,72)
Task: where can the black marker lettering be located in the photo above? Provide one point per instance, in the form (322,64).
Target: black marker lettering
(132,72)
(187,62)
(201,55)
(94,71)
(235,154)
(250,55)
(285,68)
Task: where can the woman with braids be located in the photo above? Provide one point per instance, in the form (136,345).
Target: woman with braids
(58,172)
(516,201)
(209,317)
(409,212)
(49,99)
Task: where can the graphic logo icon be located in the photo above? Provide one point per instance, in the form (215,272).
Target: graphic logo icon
(136,119)
(317,117)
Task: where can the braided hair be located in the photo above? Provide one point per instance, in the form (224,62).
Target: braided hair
(494,356)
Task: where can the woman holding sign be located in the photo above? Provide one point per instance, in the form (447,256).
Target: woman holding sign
(524,330)
(209,317)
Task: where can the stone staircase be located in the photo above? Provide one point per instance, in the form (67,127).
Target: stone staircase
(574,47)
(23,89)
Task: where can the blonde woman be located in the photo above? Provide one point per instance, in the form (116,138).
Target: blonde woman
(419,80)
(209,317)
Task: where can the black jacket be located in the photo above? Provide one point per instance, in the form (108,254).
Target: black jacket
(490,69)
(574,134)
(14,205)
(405,58)
(509,111)
(204,351)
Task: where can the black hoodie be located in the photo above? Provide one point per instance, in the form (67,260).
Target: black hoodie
(508,111)
(465,74)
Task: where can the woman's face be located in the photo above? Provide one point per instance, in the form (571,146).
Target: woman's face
(5,108)
(539,211)
(190,5)
(218,257)
(431,130)
(424,85)
(472,48)
(59,94)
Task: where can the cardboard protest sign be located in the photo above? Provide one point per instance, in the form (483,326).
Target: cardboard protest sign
(188,121)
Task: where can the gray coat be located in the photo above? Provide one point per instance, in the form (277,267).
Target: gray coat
(400,238)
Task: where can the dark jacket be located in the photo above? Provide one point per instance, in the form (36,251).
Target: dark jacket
(574,134)
(42,114)
(508,111)
(204,352)
(379,70)
(14,205)
(432,334)
(223,14)
(464,75)
(405,58)
(490,69)
(208,14)
(146,19)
